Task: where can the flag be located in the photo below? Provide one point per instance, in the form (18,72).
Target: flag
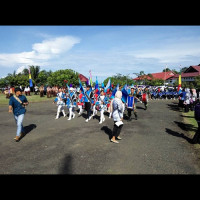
(179,81)
(114,91)
(117,86)
(124,94)
(108,86)
(102,85)
(30,79)
(90,78)
(67,87)
(97,86)
(80,85)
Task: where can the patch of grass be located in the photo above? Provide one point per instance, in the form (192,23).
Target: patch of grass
(32,99)
(188,118)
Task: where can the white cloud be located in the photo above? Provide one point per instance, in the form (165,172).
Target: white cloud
(20,69)
(41,52)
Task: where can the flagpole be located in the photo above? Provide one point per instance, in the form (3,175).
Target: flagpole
(165,73)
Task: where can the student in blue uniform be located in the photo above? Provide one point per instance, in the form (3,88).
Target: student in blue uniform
(88,101)
(71,103)
(60,103)
(131,104)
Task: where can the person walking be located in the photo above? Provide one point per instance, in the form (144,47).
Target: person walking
(102,107)
(117,108)
(88,102)
(80,102)
(17,105)
(60,103)
(71,103)
(131,104)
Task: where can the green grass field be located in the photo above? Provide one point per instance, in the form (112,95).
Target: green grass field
(189,121)
(33,98)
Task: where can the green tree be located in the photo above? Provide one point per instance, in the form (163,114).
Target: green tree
(58,77)
(183,69)
(197,81)
(119,78)
(166,70)
(2,83)
(43,76)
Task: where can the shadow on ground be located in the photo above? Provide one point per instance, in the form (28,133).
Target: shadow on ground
(187,116)
(28,129)
(186,127)
(174,107)
(107,131)
(174,133)
(66,167)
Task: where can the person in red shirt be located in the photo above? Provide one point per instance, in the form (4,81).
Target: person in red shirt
(94,104)
(80,102)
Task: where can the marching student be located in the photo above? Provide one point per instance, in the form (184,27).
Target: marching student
(88,102)
(131,104)
(80,103)
(108,104)
(102,107)
(60,103)
(145,97)
(95,104)
(71,103)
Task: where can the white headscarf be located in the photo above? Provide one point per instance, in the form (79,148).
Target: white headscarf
(118,94)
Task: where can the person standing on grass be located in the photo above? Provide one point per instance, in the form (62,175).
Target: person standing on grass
(117,108)
(17,105)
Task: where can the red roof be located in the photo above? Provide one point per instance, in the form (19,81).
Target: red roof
(82,78)
(159,75)
(195,68)
(189,74)
(142,78)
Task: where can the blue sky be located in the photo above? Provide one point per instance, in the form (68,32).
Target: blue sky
(105,50)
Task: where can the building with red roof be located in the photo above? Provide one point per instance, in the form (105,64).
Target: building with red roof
(187,76)
(170,77)
(160,75)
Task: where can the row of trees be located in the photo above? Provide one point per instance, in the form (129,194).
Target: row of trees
(61,77)
(40,77)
